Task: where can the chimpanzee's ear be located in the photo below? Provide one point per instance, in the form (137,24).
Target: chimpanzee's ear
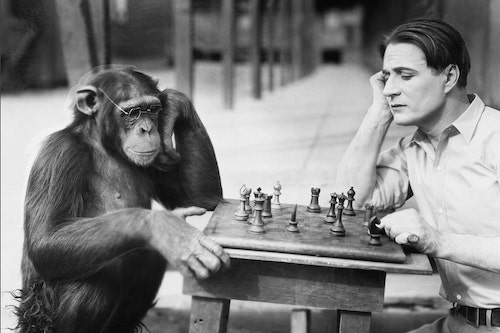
(86,100)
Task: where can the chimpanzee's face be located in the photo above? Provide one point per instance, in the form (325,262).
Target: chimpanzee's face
(138,122)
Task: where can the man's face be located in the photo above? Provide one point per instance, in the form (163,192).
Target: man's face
(414,91)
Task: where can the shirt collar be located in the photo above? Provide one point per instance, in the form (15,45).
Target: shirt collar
(465,124)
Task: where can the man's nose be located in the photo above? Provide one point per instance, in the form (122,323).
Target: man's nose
(391,88)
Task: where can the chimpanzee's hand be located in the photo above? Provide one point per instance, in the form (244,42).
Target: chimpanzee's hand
(185,247)
(184,212)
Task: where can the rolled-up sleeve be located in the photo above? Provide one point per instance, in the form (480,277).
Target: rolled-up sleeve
(392,184)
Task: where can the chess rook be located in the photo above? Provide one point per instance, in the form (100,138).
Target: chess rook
(314,206)
(266,210)
(337,229)
(350,198)
(275,204)
(258,224)
(241,214)
(330,216)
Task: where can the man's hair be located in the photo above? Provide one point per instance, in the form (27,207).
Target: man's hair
(440,42)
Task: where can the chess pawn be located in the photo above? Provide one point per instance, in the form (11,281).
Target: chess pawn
(276,200)
(314,206)
(248,207)
(292,224)
(368,214)
(258,224)
(337,229)
(350,198)
(241,214)
(266,211)
(330,217)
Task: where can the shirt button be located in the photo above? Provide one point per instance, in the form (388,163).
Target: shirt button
(441,211)
(459,297)
(439,168)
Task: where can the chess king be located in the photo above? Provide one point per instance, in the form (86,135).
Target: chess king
(450,165)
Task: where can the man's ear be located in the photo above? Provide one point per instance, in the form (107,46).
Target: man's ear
(452,73)
(86,100)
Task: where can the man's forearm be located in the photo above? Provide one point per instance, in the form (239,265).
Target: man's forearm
(357,167)
(476,251)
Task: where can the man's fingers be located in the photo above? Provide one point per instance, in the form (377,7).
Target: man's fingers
(402,238)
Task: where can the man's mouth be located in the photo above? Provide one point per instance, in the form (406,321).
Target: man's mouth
(396,106)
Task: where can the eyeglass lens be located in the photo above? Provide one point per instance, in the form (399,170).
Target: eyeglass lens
(136,112)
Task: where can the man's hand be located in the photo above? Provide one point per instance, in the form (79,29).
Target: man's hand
(401,224)
(380,105)
(185,247)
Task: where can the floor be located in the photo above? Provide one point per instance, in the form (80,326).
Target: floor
(295,134)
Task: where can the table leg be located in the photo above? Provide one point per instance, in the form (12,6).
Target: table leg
(354,322)
(209,315)
(300,321)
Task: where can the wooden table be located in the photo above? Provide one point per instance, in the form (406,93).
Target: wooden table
(353,287)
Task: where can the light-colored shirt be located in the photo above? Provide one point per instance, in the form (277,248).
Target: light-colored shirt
(457,190)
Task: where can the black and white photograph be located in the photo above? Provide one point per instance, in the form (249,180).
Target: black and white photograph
(250,166)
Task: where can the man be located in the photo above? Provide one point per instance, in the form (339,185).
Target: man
(451,165)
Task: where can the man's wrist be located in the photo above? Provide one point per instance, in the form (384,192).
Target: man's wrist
(379,116)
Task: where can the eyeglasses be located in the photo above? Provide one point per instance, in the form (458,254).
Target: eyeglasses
(135,112)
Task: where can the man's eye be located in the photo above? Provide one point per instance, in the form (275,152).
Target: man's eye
(406,77)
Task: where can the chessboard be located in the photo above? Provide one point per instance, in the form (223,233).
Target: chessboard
(314,236)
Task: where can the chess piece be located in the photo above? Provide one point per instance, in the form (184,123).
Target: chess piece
(368,214)
(248,207)
(257,192)
(241,214)
(258,224)
(350,198)
(292,224)
(412,238)
(374,231)
(337,229)
(276,200)
(330,217)
(314,206)
(266,211)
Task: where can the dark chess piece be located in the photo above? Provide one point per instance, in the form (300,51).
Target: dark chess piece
(314,206)
(258,224)
(330,217)
(292,224)
(337,229)
(374,231)
(276,200)
(248,207)
(257,192)
(266,211)
(350,198)
(241,214)
(368,214)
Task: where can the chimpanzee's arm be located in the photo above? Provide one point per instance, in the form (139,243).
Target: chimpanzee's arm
(195,179)
(64,245)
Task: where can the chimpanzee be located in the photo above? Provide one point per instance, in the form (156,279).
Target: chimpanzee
(94,251)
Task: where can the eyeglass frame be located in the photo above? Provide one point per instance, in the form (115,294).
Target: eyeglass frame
(128,114)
